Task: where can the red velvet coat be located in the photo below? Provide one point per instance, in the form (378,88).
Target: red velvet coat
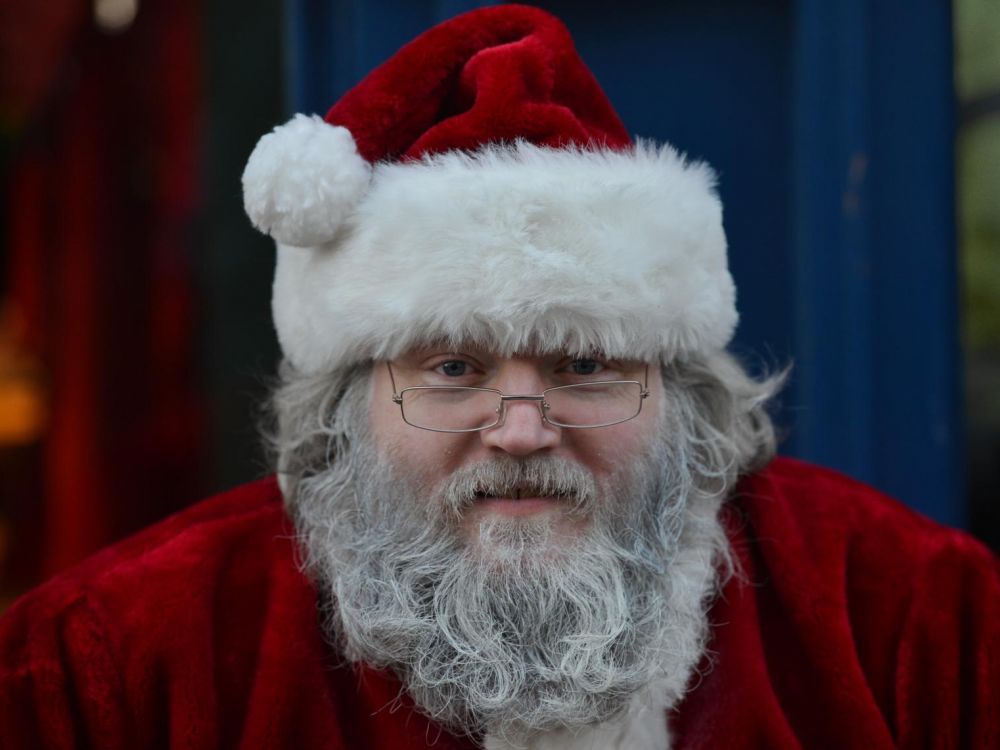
(860,625)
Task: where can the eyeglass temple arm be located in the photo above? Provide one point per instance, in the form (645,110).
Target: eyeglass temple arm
(396,398)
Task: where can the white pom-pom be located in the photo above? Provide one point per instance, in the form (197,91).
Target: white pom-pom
(302,180)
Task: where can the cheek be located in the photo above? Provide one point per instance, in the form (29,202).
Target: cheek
(430,457)
(420,453)
(606,453)
(609,449)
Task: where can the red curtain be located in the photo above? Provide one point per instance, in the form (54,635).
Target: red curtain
(101,192)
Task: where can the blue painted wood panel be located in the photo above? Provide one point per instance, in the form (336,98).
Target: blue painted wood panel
(830,125)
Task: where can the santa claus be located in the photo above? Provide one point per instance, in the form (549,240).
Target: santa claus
(524,497)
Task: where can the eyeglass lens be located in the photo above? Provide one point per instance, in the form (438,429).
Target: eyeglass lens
(579,405)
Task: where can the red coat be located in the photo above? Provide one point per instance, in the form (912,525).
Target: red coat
(858,625)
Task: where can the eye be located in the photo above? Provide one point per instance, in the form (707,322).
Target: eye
(454,368)
(451,368)
(584,367)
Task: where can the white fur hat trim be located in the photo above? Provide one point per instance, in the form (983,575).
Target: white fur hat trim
(302,180)
(520,248)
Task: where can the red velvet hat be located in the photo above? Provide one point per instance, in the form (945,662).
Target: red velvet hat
(479,186)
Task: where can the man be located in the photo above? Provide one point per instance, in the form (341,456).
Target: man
(526,497)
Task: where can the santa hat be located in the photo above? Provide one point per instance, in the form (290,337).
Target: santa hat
(479,187)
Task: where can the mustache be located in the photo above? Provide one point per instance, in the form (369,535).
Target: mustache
(532,476)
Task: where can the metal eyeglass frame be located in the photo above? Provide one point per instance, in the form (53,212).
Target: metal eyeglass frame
(543,406)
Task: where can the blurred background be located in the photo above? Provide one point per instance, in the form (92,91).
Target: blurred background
(858,146)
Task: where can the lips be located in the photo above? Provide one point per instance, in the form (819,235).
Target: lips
(520,492)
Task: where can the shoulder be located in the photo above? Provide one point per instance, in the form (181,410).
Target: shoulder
(163,569)
(848,600)
(901,593)
(173,624)
(818,512)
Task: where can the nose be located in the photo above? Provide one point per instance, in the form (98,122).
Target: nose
(522,430)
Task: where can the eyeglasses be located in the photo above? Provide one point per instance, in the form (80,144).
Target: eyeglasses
(446,408)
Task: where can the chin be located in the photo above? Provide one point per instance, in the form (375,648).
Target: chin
(524,538)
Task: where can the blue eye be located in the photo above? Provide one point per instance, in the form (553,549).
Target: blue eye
(454,368)
(584,366)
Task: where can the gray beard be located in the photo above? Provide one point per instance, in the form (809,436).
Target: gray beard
(515,632)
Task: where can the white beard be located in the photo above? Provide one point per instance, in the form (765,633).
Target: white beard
(520,639)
